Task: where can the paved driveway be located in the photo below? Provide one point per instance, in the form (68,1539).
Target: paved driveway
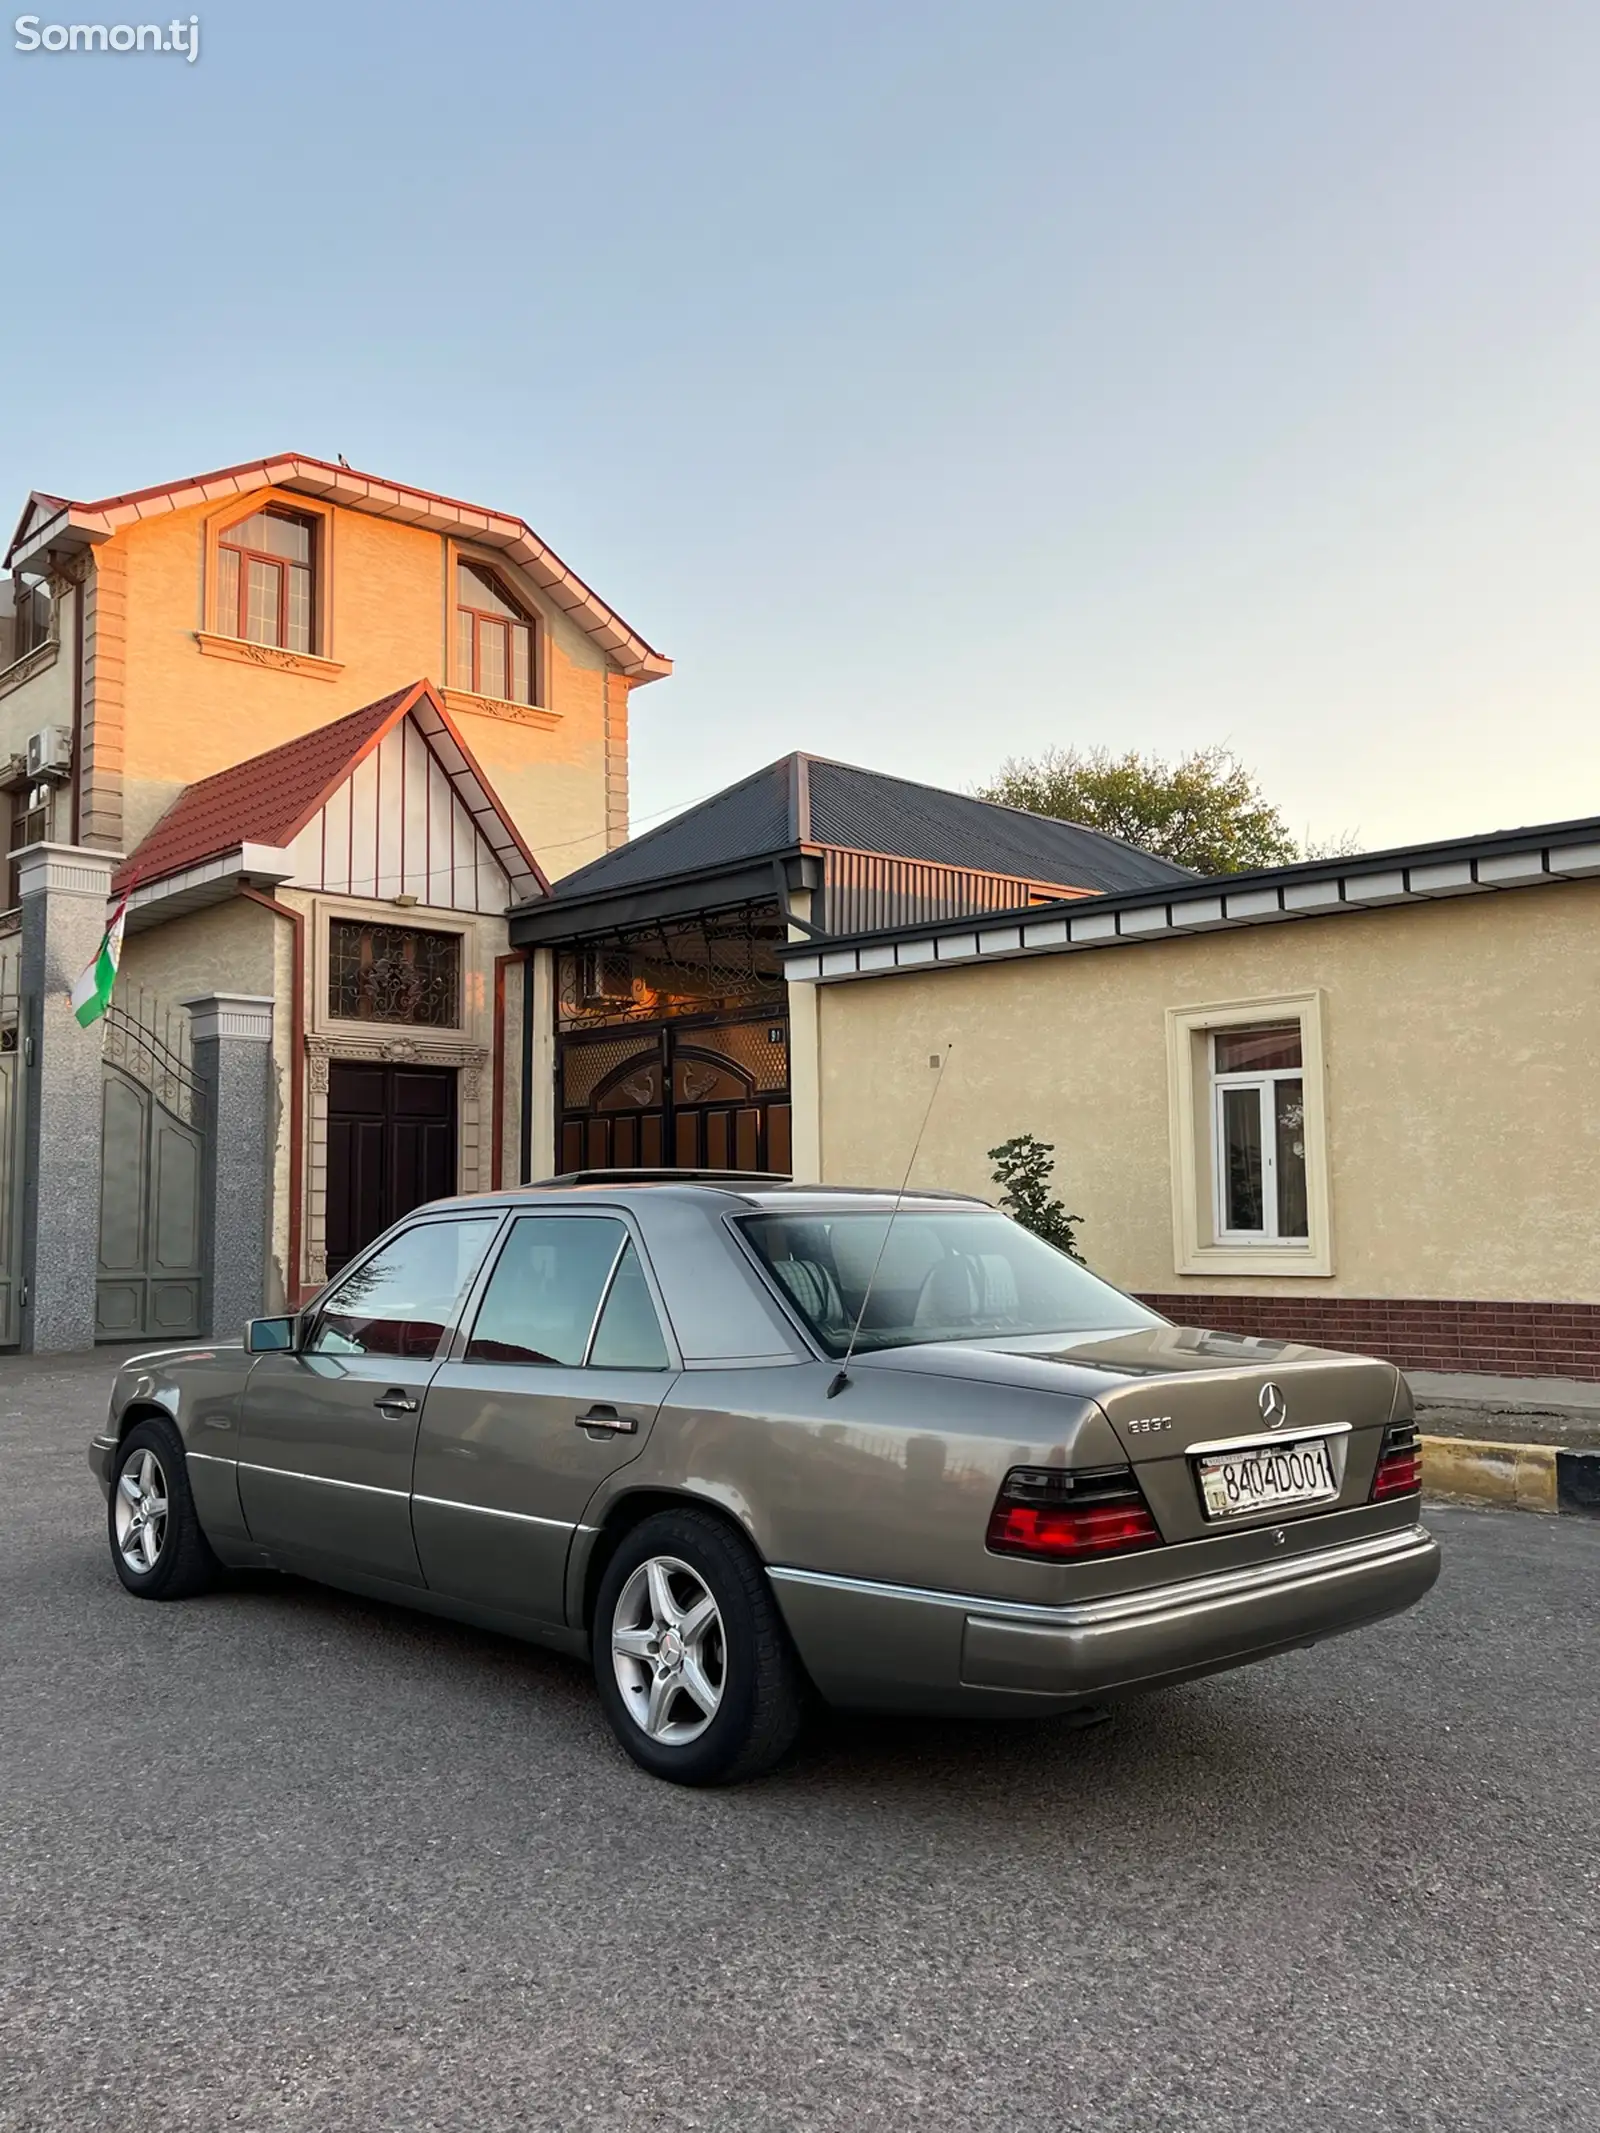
(280,1858)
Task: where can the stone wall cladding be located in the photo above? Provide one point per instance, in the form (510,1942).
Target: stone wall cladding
(1523,1340)
(63,918)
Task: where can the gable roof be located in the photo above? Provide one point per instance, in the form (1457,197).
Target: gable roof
(270,798)
(56,523)
(808,800)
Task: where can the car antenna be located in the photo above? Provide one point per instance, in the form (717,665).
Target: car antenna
(841,1377)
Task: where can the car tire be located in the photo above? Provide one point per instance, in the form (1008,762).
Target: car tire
(665,1576)
(157,1547)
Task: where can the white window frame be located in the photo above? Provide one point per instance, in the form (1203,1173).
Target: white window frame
(1264,1083)
(1200,1243)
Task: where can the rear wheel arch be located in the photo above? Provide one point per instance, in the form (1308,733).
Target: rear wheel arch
(632,1510)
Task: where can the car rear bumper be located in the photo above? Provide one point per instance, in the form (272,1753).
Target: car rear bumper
(893,1648)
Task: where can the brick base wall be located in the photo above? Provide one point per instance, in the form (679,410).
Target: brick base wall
(1523,1340)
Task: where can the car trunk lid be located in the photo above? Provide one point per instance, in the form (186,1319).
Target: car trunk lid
(1308,1417)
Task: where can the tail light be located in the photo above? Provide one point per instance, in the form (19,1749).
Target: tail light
(1399,1463)
(1060,1517)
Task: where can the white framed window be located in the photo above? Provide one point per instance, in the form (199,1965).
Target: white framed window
(1258,1115)
(1249,1137)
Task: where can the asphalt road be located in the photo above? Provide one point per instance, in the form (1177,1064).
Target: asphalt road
(282,1859)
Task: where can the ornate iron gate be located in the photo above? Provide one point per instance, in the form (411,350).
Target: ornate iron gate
(153,1125)
(691,1095)
(672,1046)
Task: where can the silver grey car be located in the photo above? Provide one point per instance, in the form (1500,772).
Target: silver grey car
(739,1442)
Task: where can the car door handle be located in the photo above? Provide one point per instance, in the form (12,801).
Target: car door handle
(602,1416)
(396,1401)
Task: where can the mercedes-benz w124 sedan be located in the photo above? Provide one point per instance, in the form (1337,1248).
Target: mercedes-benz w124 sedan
(733,1440)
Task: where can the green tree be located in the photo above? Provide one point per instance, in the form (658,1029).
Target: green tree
(1023,1168)
(1204,811)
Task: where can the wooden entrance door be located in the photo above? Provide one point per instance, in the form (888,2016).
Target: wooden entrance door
(391,1145)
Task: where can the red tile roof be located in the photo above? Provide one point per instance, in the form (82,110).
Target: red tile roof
(270,798)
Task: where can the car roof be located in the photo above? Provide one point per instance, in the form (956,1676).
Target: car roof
(721,1309)
(746,1188)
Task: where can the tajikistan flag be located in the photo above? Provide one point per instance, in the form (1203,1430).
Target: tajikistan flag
(91,996)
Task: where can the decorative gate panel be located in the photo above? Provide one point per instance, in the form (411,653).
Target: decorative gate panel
(692,1095)
(672,1046)
(151,1147)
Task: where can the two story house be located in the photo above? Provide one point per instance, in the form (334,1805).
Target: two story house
(332,727)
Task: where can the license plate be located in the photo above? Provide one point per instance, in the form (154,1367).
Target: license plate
(1232,1484)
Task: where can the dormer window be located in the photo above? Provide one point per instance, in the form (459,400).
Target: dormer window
(265,568)
(495,639)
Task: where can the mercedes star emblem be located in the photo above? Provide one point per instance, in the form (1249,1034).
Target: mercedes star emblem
(1274,1407)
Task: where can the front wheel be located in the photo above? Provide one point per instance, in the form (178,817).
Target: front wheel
(692,1662)
(157,1547)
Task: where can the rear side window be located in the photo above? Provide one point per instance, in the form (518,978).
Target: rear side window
(404,1299)
(628,1336)
(566,1291)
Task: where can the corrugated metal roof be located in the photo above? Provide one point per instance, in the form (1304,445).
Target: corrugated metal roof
(871,812)
(750,820)
(807,799)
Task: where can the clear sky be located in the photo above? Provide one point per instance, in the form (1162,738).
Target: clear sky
(933,382)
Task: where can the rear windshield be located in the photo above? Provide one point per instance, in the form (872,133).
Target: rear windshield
(932,1277)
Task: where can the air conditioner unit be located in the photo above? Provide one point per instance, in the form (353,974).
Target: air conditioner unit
(50,752)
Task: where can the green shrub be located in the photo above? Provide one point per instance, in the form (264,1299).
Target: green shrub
(1023,1168)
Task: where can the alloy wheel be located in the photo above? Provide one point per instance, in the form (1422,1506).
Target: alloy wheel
(141,1512)
(669,1651)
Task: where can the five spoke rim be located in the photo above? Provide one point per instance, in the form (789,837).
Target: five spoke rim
(669,1651)
(141,1512)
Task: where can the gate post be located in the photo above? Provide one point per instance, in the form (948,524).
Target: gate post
(232,1034)
(64,890)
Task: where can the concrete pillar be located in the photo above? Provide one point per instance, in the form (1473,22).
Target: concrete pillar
(541,1158)
(232,1034)
(64,890)
(805,1083)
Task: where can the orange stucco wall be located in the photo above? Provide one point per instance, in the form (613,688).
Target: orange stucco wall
(186,714)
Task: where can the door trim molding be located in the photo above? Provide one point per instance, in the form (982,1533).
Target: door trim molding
(323,1481)
(406,1046)
(487,1510)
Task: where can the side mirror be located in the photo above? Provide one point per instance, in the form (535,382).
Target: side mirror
(269,1336)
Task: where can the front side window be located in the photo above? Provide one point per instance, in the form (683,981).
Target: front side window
(569,1291)
(394,974)
(265,591)
(1258,1119)
(966,1275)
(494,638)
(405,1298)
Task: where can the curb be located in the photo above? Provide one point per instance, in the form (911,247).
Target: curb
(1519,1477)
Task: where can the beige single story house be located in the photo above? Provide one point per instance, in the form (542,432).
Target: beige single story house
(1354,1101)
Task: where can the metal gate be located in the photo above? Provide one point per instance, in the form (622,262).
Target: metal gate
(710,1093)
(11,1105)
(152,1140)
